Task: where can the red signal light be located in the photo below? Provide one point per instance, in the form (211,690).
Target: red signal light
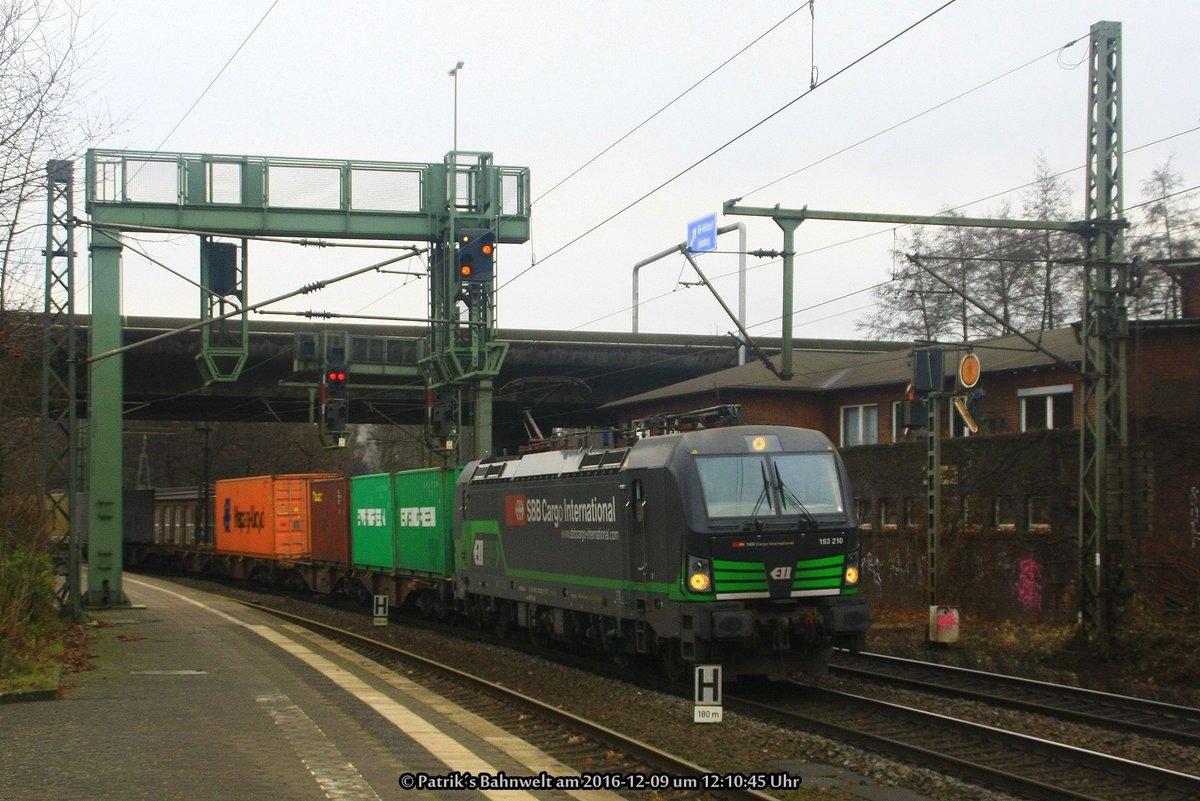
(485,249)
(335,375)
(465,270)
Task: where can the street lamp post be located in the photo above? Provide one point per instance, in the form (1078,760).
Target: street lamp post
(454,74)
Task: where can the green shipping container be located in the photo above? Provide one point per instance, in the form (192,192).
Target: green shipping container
(401,522)
(424,518)
(372,522)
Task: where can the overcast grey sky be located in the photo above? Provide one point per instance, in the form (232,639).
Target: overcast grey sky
(548,85)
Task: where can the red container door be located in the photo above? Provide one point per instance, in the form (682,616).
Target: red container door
(329,522)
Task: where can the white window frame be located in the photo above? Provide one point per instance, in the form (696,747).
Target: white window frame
(1045,393)
(862,439)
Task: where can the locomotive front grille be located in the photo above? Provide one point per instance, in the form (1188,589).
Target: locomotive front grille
(735,579)
(818,575)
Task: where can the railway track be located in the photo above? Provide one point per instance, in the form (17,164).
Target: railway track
(985,756)
(1015,763)
(1138,716)
(619,763)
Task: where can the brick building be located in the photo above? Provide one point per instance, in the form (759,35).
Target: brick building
(1009,497)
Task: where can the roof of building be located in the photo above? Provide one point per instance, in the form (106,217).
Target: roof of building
(821,370)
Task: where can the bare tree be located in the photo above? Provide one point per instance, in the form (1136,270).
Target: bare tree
(1168,231)
(43,57)
(1057,254)
(914,304)
(1025,280)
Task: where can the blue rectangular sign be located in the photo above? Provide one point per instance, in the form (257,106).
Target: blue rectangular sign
(702,234)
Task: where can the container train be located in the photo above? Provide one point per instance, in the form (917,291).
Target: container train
(734,545)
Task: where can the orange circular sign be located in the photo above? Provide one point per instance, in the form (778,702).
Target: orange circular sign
(969,370)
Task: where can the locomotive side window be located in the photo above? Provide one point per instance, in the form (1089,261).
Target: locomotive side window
(639,501)
(735,486)
(809,483)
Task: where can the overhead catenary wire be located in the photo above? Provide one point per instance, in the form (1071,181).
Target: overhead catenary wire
(982,255)
(731,141)
(671,102)
(217,77)
(316,285)
(912,118)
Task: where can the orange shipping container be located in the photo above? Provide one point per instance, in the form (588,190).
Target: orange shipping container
(267,516)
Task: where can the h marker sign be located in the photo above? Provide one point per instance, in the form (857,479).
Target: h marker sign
(707,695)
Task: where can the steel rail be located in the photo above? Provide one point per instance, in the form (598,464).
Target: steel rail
(1016,763)
(1179,724)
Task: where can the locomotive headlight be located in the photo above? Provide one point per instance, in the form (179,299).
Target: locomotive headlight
(699,575)
(852,575)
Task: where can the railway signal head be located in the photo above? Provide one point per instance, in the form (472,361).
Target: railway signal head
(476,262)
(335,400)
(335,383)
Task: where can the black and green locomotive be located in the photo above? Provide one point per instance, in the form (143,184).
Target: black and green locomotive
(735,545)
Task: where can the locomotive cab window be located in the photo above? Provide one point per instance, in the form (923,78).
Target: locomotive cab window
(808,482)
(735,486)
(792,484)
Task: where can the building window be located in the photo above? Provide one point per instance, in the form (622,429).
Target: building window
(889,514)
(1037,507)
(1006,513)
(897,421)
(860,425)
(973,515)
(957,426)
(1047,407)
(916,513)
(863,507)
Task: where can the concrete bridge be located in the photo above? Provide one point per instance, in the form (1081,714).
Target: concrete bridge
(561,376)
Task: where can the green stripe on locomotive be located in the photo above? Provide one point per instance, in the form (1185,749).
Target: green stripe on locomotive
(729,576)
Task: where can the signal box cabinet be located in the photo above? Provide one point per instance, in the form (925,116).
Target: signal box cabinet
(266,516)
(401,522)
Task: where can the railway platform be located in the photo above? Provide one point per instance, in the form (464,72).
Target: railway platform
(196,697)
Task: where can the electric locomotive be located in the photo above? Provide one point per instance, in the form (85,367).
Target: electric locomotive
(736,545)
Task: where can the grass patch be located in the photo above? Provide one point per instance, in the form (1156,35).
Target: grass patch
(37,668)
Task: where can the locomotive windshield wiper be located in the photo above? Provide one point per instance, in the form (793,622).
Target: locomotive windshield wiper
(762,496)
(789,497)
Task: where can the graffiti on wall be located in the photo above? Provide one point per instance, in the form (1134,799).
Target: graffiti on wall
(1029,584)
(871,566)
